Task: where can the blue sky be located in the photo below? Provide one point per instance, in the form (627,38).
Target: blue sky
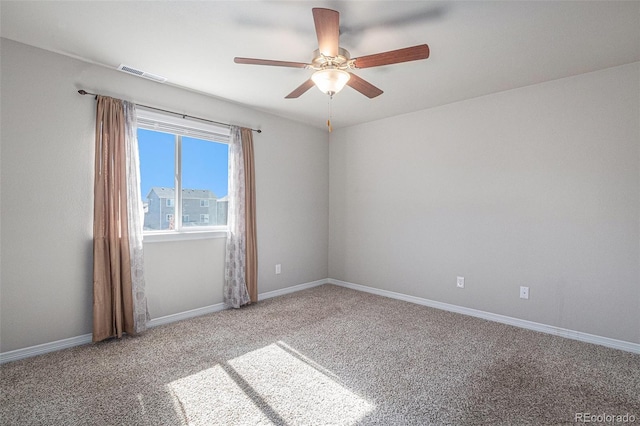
(204,163)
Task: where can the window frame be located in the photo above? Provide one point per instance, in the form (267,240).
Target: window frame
(179,127)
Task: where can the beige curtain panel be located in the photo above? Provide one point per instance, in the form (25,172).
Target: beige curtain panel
(112,287)
(251,273)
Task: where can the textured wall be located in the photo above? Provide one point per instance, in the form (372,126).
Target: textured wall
(47,199)
(537,187)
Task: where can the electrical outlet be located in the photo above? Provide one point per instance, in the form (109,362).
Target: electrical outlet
(278,269)
(524,292)
(460,282)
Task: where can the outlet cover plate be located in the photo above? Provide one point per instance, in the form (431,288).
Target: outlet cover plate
(524,292)
(460,282)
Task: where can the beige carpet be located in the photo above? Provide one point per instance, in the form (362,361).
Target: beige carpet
(325,356)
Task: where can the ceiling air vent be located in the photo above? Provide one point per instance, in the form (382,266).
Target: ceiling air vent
(139,73)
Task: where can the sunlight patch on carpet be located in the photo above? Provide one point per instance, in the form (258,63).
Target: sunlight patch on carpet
(266,386)
(211,397)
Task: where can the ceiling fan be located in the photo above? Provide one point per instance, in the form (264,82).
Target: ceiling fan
(332,64)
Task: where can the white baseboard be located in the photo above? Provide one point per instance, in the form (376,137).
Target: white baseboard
(44,348)
(221,306)
(291,289)
(529,325)
(168,319)
(155,322)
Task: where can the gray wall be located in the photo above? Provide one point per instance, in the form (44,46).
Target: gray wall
(47,199)
(538,186)
(535,187)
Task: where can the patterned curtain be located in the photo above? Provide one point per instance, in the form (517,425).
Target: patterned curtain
(135,216)
(241,262)
(119,303)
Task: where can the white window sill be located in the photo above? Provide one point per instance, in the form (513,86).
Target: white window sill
(158,237)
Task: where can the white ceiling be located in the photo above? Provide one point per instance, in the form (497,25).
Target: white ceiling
(477,47)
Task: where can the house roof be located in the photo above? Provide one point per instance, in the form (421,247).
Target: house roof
(187,193)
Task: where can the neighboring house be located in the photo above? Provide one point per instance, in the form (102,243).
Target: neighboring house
(200,207)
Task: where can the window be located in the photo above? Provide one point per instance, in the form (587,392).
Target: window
(183,173)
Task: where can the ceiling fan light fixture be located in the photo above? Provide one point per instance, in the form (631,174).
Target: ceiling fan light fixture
(330,80)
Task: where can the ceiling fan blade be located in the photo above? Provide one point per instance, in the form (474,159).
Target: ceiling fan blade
(252,61)
(300,89)
(328,30)
(363,86)
(393,57)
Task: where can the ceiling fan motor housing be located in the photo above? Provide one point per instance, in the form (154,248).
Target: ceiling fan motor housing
(341,62)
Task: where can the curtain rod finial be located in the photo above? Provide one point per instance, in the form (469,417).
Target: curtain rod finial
(84,92)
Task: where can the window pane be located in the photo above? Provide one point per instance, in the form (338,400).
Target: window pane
(157,171)
(204,182)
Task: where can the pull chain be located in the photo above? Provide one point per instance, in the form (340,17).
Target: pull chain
(329,119)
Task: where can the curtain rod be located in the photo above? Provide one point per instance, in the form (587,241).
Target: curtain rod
(84,92)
